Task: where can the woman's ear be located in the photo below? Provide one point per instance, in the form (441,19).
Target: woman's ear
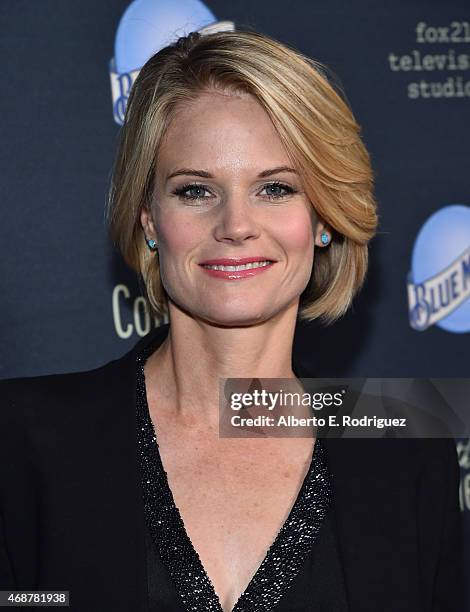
(146,220)
(322,233)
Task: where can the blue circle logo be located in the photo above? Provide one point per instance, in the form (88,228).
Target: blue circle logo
(146,27)
(439,280)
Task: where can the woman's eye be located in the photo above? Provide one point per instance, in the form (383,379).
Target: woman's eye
(278,190)
(191,192)
(274,191)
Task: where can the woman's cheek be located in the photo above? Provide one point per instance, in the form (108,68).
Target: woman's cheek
(296,233)
(179,235)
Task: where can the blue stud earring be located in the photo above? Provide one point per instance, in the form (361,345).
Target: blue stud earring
(325,239)
(152,244)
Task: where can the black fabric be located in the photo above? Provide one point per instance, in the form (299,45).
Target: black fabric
(161,589)
(72,516)
(319,587)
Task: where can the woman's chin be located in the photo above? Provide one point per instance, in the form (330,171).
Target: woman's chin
(234,318)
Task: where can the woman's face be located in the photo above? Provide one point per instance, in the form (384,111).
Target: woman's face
(224,191)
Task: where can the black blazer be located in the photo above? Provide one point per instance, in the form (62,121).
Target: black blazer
(72,517)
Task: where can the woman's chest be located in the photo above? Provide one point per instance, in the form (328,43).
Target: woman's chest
(233,497)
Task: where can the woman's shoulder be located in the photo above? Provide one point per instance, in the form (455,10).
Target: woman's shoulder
(30,396)
(398,461)
(83,392)
(52,384)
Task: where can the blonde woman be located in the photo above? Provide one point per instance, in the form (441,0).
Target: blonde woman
(243,196)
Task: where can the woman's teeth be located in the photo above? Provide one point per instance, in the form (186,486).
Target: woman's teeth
(249,266)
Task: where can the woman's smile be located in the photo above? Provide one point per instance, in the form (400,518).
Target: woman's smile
(233,270)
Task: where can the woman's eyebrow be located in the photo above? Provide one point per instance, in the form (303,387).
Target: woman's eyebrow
(191,172)
(266,173)
(204,174)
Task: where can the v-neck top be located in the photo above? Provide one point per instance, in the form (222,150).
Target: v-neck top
(300,571)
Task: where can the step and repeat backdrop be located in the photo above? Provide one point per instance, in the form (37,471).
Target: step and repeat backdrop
(68,302)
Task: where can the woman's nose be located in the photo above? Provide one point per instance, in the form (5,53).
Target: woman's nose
(236,221)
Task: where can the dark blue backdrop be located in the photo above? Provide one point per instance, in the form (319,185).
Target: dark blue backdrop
(68,301)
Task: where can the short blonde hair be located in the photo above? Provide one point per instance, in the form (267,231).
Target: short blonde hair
(314,122)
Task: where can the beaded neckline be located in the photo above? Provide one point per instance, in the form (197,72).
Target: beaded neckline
(284,557)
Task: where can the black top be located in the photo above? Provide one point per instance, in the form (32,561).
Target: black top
(318,587)
(72,515)
(301,569)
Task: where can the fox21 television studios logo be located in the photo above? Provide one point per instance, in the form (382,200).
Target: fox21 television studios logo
(146,27)
(439,280)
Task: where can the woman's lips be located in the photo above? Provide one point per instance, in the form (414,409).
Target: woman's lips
(236,274)
(235,261)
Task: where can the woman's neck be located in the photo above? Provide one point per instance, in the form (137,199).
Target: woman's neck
(184,374)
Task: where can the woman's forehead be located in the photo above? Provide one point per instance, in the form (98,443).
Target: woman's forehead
(224,133)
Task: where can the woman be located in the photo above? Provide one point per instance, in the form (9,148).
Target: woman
(242,193)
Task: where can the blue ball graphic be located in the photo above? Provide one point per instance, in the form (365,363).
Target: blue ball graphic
(443,237)
(149,25)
